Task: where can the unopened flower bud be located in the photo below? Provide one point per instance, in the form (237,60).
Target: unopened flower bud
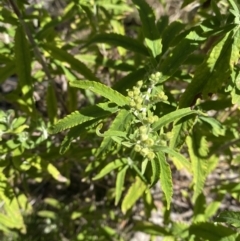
(144,151)
(149,142)
(139,107)
(140,83)
(151,119)
(132,103)
(143,129)
(144,137)
(130,94)
(137,148)
(151,155)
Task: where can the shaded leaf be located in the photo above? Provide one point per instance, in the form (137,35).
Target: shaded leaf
(120,40)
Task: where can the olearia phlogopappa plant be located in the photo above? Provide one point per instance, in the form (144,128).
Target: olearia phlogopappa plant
(166,106)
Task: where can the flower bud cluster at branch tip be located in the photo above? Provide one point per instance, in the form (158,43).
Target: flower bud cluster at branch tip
(142,98)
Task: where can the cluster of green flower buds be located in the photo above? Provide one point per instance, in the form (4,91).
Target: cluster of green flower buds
(145,143)
(155,77)
(160,96)
(135,95)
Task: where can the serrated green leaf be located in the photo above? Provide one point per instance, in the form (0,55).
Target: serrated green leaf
(102,90)
(179,54)
(214,206)
(229,217)
(149,28)
(170,33)
(180,131)
(75,64)
(180,158)
(120,183)
(86,114)
(173,116)
(165,178)
(74,133)
(217,128)
(155,163)
(216,68)
(211,232)
(120,40)
(134,193)
(180,230)
(198,151)
(6,71)
(108,168)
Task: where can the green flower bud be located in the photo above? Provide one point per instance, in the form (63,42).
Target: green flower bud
(144,151)
(151,119)
(149,142)
(144,137)
(153,76)
(165,97)
(143,129)
(136,92)
(150,155)
(155,118)
(140,83)
(158,75)
(139,100)
(137,148)
(139,107)
(132,103)
(130,94)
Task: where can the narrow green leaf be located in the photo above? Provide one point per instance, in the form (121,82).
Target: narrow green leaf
(108,168)
(134,193)
(74,133)
(155,163)
(53,171)
(150,31)
(180,131)
(198,151)
(179,54)
(120,41)
(173,116)
(165,178)
(121,122)
(102,90)
(217,128)
(75,64)
(170,32)
(51,104)
(211,232)
(6,71)
(229,217)
(210,75)
(180,158)
(23,66)
(120,183)
(214,206)
(84,115)
(150,228)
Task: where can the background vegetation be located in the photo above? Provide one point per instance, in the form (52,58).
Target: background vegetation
(119,120)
